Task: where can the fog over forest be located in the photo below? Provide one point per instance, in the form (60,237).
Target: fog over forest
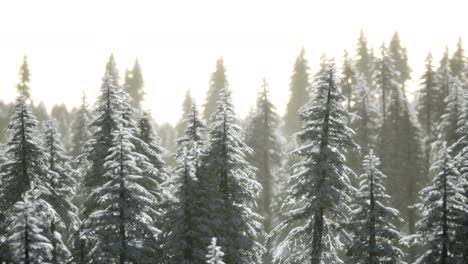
(364,159)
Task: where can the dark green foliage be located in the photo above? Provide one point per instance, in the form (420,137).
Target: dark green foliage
(134,85)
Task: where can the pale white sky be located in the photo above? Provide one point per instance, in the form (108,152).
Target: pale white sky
(178,42)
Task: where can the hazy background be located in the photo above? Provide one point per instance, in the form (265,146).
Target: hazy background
(178,43)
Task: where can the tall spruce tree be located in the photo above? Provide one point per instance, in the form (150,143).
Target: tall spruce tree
(134,85)
(428,109)
(443,76)
(400,148)
(120,228)
(440,207)
(448,129)
(61,180)
(385,78)
(262,135)
(458,61)
(80,131)
(299,94)
(23,87)
(25,165)
(218,82)
(320,189)
(107,114)
(462,231)
(365,123)
(374,239)
(186,109)
(400,58)
(364,58)
(232,188)
(183,238)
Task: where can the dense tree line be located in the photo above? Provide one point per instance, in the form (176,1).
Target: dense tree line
(354,172)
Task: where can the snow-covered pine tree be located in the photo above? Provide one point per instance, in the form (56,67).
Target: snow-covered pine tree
(108,114)
(441,204)
(25,157)
(23,87)
(462,232)
(299,94)
(121,229)
(218,82)
(448,129)
(374,238)
(80,132)
(232,188)
(320,189)
(186,108)
(25,164)
(61,180)
(28,236)
(184,228)
(348,78)
(154,168)
(215,255)
(262,135)
(385,78)
(365,123)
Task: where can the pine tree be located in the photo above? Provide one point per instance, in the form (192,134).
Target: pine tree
(385,78)
(62,118)
(26,157)
(215,255)
(134,85)
(23,87)
(428,97)
(231,187)
(458,61)
(400,58)
(448,129)
(374,239)
(401,152)
(347,80)
(120,228)
(28,236)
(440,205)
(299,94)
(40,112)
(61,179)
(80,132)
(186,108)
(320,189)
(427,107)
(183,233)
(262,135)
(443,76)
(364,59)
(218,82)
(462,232)
(365,123)
(107,114)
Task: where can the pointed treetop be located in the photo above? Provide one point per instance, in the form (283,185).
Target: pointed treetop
(218,82)
(23,87)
